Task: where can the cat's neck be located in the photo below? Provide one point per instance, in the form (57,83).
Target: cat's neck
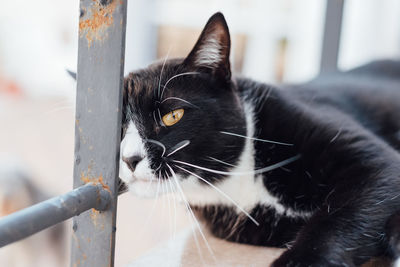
(273,110)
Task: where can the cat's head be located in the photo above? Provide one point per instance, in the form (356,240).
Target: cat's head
(175,117)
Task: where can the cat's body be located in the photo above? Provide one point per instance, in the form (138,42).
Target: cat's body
(316,166)
(322,119)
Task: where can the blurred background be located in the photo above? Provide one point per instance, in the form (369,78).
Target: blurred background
(273,41)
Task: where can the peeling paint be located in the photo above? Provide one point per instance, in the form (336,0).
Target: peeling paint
(98,19)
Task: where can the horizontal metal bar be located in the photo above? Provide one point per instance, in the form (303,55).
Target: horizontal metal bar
(31,220)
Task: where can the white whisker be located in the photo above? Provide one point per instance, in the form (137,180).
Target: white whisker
(191,212)
(257,139)
(159,116)
(149,185)
(222,193)
(193,230)
(159,144)
(223,162)
(162,69)
(159,166)
(175,76)
(174,200)
(258,171)
(180,99)
(180,145)
(169,209)
(151,210)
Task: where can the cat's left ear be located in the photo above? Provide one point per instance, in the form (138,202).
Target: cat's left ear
(211,52)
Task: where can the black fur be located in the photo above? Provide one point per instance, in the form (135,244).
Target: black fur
(345,126)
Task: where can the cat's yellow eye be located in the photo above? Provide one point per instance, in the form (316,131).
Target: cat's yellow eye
(173,117)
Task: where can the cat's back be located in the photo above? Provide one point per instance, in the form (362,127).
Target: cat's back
(369,94)
(382,69)
(381,77)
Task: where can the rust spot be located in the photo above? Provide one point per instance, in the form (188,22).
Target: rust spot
(87,178)
(97,219)
(76,240)
(100,18)
(93,216)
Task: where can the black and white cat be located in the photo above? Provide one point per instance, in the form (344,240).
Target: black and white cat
(315,165)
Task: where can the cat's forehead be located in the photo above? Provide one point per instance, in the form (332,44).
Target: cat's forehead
(143,82)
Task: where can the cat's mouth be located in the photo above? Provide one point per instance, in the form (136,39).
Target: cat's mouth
(123,187)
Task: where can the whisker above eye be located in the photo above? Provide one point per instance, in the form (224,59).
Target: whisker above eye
(178,147)
(183,100)
(175,76)
(256,139)
(162,69)
(159,144)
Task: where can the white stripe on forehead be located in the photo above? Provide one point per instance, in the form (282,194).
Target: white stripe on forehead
(132,144)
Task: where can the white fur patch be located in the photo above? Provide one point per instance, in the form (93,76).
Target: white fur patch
(209,54)
(142,181)
(132,144)
(247,190)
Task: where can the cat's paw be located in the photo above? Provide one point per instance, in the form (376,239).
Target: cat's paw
(293,258)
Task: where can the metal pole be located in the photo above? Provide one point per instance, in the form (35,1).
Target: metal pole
(38,217)
(98,124)
(331,40)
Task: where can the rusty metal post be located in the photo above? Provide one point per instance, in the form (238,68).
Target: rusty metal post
(331,39)
(98,124)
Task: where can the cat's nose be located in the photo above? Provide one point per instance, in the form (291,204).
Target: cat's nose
(132,161)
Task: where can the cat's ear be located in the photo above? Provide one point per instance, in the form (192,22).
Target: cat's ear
(71,73)
(211,52)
